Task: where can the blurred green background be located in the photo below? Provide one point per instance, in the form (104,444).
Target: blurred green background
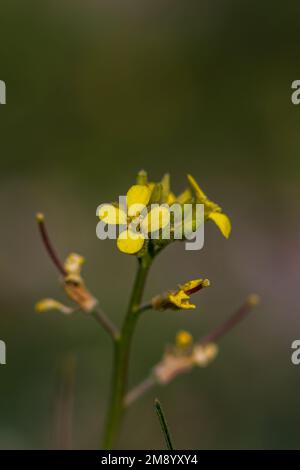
(97,90)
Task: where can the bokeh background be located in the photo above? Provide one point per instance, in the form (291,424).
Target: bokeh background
(97,90)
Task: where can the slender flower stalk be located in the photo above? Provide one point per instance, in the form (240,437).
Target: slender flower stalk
(139,390)
(122,354)
(232,321)
(48,245)
(106,323)
(164,425)
(145,306)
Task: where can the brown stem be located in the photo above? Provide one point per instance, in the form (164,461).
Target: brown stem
(232,321)
(105,322)
(139,390)
(48,245)
(145,306)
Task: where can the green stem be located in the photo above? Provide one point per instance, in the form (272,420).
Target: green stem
(121,356)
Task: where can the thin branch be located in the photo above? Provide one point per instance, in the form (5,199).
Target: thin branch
(144,307)
(214,336)
(106,323)
(164,425)
(48,245)
(232,321)
(139,390)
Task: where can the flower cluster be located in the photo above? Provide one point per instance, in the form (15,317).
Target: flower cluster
(147,209)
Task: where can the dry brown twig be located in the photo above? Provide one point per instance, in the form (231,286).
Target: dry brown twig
(202,354)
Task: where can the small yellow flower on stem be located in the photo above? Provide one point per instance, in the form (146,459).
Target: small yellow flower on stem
(211,210)
(179,300)
(136,221)
(183,339)
(129,241)
(45,305)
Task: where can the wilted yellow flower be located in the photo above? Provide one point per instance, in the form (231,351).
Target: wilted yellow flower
(211,210)
(179,299)
(182,357)
(74,287)
(73,263)
(45,305)
(191,287)
(76,290)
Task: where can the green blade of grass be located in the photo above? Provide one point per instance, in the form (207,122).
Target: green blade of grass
(164,425)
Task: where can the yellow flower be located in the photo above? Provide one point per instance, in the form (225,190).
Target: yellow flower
(211,210)
(51,304)
(183,339)
(137,222)
(179,300)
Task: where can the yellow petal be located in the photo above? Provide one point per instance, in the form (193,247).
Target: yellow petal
(156,194)
(222,221)
(171,198)
(156,219)
(181,300)
(184,197)
(110,214)
(209,206)
(137,194)
(130,242)
(200,195)
(51,304)
(151,185)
